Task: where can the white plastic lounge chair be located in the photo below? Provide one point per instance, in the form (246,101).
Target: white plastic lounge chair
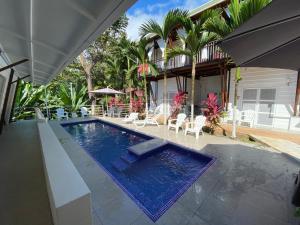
(131,118)
(247,117)
(84,112)
(177,123)
(196,126)
(61,114)
(149,120)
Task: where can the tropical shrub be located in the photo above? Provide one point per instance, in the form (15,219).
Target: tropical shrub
(212,112)
(74,96)
(27,98)
(115,101)
(137,105)
(178,101)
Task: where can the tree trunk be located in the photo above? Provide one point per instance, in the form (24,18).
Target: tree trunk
(146,94)
(87,66)
(234,116)
(165,86)
(193,88)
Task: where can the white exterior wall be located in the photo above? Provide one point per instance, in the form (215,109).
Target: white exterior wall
(210,84)
(285,83)
(202,87)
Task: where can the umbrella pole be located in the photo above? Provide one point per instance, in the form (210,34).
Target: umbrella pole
(106,103)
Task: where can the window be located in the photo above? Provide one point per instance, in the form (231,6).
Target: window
(262,102)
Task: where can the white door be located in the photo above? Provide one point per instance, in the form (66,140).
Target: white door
(262,102)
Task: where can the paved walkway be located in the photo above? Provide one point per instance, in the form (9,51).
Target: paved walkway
(23,193)
(290,136)
(246,185)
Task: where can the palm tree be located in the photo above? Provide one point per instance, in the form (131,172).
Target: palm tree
(115,71)
(140,51)
(126,45)
(239,12)
(193,41)
(164,31)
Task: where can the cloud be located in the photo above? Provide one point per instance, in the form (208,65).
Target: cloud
(137,19)
(155,11)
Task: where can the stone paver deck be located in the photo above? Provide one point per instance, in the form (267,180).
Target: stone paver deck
(286,147)
(23,192)
(246,185)
(289,136)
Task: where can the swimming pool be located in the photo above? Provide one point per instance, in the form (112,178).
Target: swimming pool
(155,180)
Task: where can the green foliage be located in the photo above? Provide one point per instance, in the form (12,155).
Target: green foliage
(239,12)
(170,21)
(74,96)
(27,98)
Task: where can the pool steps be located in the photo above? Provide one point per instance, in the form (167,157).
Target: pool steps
(129,157)
(135,152)
(147,146)
(120,165)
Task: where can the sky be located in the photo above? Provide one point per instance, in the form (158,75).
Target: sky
(144,10)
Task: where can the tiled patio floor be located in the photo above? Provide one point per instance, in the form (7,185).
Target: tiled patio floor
(23,193)
(247,185)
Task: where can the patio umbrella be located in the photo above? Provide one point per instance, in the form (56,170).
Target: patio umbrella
(271,38)
(107,91)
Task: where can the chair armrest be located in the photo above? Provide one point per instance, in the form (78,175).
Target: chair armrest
(170,121)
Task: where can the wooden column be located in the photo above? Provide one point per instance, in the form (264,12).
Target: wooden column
(2,120)
(223,84)
(297,97)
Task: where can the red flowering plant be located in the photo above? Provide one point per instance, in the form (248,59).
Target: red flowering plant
(137,104)
(114,101)
(212,112)
(178,101)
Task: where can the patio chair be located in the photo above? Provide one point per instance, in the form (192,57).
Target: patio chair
(149,120)
(131,117)
(110,112)
(177,123)
(118,112)
(247,117)
(84,112)
(61,114)
(196,126)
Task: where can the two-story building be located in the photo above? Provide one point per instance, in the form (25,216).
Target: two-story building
(269,92)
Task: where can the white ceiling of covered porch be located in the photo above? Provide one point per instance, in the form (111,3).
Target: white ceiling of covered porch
(51,33)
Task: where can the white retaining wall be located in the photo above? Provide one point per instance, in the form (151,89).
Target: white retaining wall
(69,196)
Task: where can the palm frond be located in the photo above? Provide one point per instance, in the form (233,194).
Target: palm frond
(151,27)
(173,52)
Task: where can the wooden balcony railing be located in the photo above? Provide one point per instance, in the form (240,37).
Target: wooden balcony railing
(209,53)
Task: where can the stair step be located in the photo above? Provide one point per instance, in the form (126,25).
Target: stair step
(129,157)
(120,165)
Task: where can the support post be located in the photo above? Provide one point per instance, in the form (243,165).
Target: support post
(2,120)
(228,87)
(225,87)
(13,64)
(14,100)
(222,87)
(297,97)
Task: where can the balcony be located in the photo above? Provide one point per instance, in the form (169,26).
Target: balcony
(210,53)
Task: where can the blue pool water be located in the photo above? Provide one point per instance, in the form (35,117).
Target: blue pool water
(155,181)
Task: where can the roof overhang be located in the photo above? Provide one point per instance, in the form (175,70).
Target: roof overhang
(52,33)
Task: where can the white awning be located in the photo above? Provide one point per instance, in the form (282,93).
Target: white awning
(52,33)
